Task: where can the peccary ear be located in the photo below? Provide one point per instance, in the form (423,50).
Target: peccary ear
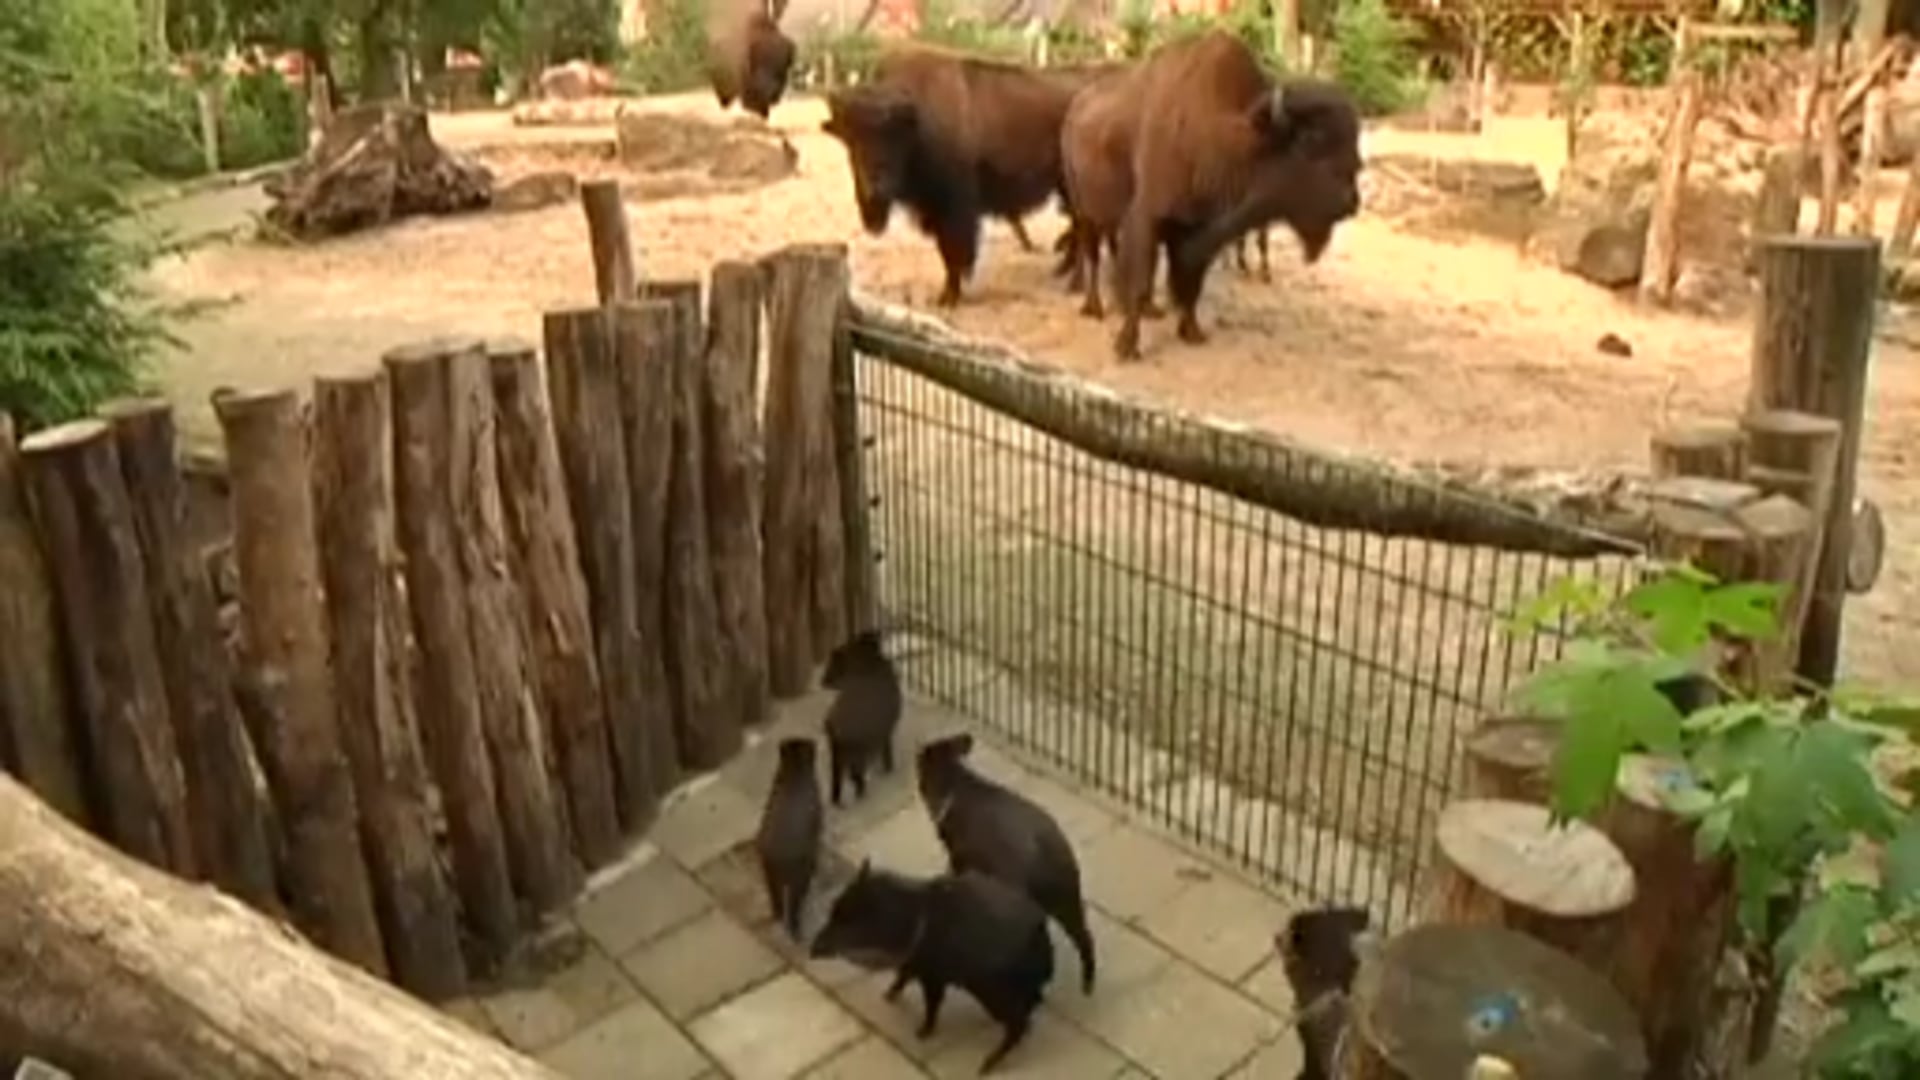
(866,868)
(962,744)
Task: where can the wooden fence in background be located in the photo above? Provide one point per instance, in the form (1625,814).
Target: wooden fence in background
(480,610)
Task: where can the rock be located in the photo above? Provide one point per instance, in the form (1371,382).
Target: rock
(376,162)
(1595,225)
(536,190)
(658,142)
(574,80)
(1613,345)
(1499,180)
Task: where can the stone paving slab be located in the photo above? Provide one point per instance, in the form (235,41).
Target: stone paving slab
(677,972)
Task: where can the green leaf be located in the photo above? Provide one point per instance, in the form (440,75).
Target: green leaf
(1901,869)
(1897,957)
(1832,762)
(1569,596)
(1869,1029)
(1726,717)
(1711,835)
(1587,765)
(1749,610)
(1831,924)
(1676,612)
(1903,1002)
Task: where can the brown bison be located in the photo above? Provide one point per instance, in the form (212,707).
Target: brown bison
(748,58)
(953,138)
(1198,146)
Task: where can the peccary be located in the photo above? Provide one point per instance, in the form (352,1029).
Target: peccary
(1318,953)
(988,828)
(862,719)
(789,839)
(967,930)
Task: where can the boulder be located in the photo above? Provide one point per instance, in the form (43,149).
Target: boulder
(1595,224)
(574,80)
(658,142)
(375,163)
(536,190)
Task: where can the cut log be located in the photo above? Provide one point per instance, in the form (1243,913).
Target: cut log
(100,580)
(367,616)
(708,727)
(38,741)
(284,624)
(1499,862)
(615,277)
(1776,210)
(1431,1000)
(541,860)
(1709,450)
(587,408)
(849,453)
(450,725)
(1511,757)
(375,163)
(1662,268)
(108,968)
(546,563)
(735,462)
(229,816)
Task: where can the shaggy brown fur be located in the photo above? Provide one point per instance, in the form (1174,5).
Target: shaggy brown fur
(1218,150)
(748,58)
(953,138)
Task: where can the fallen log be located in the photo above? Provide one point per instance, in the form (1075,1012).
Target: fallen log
(110,968)
(375,162)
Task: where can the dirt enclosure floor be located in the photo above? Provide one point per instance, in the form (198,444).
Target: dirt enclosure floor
(1397,344)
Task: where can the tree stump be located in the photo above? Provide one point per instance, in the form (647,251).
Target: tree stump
(735,464)
(538,854)
(1498,862)
(284,621)
(588,397)
(450,724)
(37,740)
(706,717)
(375,162)
(87,529)
(1429,1001)
(110,969)
(353,502)
(229,815)
(1708,450)
(546,562)
(1511,757)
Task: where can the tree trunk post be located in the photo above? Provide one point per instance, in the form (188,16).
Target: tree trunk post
(615,275)
(1711,450)
(735,463)
(809,287)
(586,384)
(284,620)
(538,854)
(546,562)
(111,969)
(1797,455)
(230,818)
(1869,31)
(451,731)
(1499,863)
(1511,757)
(1776,210)
(37,737)
(1906,218)
(1663,234)
(353,502)
(88,534)
(1812,341)
(707,720)
(861,611)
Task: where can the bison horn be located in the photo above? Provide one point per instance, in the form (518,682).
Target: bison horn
(1277,104)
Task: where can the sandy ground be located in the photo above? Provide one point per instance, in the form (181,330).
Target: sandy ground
(1394,344)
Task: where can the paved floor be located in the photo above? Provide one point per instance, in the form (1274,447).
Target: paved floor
(669,968)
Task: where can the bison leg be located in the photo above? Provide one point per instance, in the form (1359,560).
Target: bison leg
(1186,274)
(1090,269)
(959,243)
(1136,252)
(1020,234)
(1266,264)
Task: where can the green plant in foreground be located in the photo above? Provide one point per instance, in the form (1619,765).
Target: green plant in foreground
(1373,57)
(1783,785)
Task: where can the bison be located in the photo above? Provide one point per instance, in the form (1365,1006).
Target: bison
(1216,149)
(953,138)
(748,58)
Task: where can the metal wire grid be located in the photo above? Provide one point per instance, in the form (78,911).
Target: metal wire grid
(1287,696)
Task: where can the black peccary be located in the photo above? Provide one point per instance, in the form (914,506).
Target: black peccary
(789,839)
(967,930)
(861,722)
(1318,955)
(988,828)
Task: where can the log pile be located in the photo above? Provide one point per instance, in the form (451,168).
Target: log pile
(375,163)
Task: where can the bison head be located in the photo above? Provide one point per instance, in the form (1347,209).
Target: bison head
(878,128)
(1309,167)
(770,56)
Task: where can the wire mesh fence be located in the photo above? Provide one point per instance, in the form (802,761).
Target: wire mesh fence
(1288,696)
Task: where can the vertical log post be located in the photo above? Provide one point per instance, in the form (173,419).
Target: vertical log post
(229,814)
(100,581)
(538,854)
(706,719)
(1906,218)
(1511,757)
(1830,55)
(615,276)
(1718,451)
(546,562)
(1812,340)
(735,479)
(353,501)
(1663,233)
(809,286)
(284,623)
(1797,455)
(36,722)
(849,453)
(587,408)
(449,699)
(1869,30)
(1776,210)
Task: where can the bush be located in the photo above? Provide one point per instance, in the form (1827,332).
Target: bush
(1373,58)
(673,57)
(854,54)
(264,121)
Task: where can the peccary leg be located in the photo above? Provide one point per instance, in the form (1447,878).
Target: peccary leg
(932,992)
(836,769)
(1074,922)
(886,755)
(776,894)
(1016,1027)
(900,980)
(797,887)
